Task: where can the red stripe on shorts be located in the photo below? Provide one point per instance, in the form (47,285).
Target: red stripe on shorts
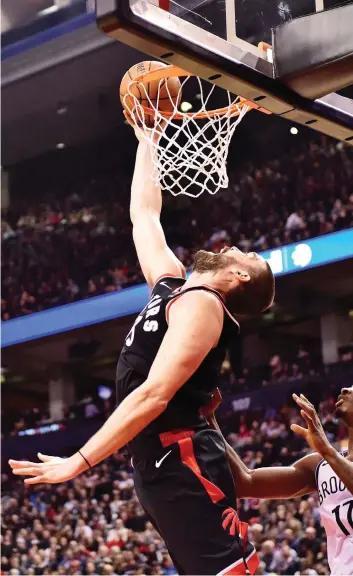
(188,458)
(237,569)
(164,4)
(168,438)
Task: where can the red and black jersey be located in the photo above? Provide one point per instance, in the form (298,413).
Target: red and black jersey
(140,349)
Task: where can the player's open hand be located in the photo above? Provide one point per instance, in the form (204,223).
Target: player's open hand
(314,434)
(51,469)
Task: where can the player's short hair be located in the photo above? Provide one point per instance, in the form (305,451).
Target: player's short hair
(253,297)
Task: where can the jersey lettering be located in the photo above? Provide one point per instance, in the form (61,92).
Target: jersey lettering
(153,311)
(333,486)
(131,335)
(155,300)
(324,489)
(150,326)
(336,511)
(340,511)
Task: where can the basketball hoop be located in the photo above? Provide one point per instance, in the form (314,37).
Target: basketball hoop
(189,149)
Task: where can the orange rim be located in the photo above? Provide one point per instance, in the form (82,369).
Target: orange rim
(172,71)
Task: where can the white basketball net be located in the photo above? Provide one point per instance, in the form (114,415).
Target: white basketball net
(189,154)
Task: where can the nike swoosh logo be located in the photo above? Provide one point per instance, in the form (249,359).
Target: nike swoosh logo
(166,285)
(159,462)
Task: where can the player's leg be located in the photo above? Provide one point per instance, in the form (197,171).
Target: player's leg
(174,560)
(191,496)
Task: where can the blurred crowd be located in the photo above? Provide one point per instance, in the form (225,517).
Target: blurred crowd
(62,246)
(305,368)
(95,525)
(72,242)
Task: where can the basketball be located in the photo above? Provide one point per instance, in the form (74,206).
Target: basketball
(169,90)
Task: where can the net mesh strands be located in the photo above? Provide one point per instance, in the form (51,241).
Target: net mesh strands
(189,149)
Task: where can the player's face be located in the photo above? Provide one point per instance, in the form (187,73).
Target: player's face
(228,256)
(344,406)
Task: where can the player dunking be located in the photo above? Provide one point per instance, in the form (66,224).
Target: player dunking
(166,373)
(325,471)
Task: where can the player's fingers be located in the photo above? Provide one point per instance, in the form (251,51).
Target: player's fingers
(309,409)
(305,398)
(128,119)
(307,419)
(28,471)
(20,463)
(310,405)
(296,398)
(299,430)
(45,458)
(300,399)
(37,480)
(310,412)
(217,395)
(132,123)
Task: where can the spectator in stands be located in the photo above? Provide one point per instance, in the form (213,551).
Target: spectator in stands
(95,524)
(62,248)
(295,221)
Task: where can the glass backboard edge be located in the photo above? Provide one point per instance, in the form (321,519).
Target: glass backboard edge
(141,25)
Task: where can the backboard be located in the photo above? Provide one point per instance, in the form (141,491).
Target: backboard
(218,40)
(250,21)
(241,22)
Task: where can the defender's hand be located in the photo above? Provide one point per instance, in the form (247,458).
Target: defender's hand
(314,434)
(212,405)
(51,470)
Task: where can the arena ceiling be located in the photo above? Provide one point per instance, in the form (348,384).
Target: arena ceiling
(65,91)
(73,102)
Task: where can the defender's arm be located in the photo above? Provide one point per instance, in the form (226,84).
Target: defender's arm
(275,482)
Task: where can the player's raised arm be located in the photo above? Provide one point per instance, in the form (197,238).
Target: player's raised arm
(190,337)
(155,257)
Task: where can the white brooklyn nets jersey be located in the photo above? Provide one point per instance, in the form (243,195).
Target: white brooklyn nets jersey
(336,509)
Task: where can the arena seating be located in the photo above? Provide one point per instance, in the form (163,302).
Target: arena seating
(65,245)
(304,369)
(94,524)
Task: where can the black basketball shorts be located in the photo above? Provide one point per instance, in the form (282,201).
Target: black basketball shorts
(187,490)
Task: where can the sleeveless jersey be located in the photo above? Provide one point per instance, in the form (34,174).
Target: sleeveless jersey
(140,349)
(336,510)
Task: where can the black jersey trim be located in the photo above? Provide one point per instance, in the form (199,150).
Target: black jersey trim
(317,472)
(167,276)
(343,453)
(174,297)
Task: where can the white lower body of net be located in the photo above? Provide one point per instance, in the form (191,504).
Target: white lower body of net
(190,154)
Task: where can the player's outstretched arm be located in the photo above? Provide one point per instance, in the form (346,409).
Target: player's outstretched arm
(271,483)
(154,255)
(191,335)
(283,482)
